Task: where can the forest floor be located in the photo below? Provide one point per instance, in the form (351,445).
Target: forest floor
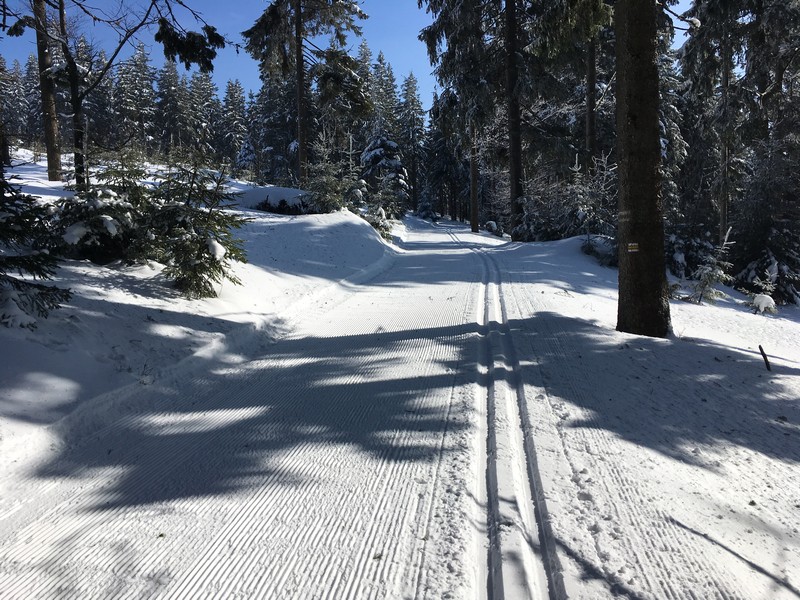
(450,415)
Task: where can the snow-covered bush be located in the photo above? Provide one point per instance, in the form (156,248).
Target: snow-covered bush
(425,209)
(559,208)
(712,273)
(300,206)
(603,248)
(687,252)
(95,225)
(181,223)
(762,303)
(190,231)
(376,217)
(493,228)
(779,264)
(23,238)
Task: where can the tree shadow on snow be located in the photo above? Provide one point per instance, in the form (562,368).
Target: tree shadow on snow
(668,395)
(332,392)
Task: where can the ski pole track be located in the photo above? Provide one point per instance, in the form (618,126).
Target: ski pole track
(654,556)
(359,553)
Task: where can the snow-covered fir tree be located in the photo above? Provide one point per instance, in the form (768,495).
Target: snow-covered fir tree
(135,99)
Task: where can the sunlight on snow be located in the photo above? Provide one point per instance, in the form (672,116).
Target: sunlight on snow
(183,423)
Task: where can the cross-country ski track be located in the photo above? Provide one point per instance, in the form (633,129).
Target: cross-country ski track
(421,432)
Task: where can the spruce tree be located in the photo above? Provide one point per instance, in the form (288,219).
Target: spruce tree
(233,128)
(172,109)
(136,99)
(412,133)
(205,110)
(33,130)
(24,259)
(278,41)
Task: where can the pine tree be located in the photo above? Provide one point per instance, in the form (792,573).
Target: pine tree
(192,233)
(6,123)
(412,133)
(23,259)
(172,105)
(709,60)
(341,100)
(278,41)
(272,117)
(33,131)
(102,113)
(234,123)
(384,99)
(136,99)
(206,114)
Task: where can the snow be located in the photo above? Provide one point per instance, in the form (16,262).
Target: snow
(363,419)
(75,233)
(216,249)
(763,303)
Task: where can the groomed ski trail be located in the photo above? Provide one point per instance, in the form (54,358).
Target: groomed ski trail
(337,465)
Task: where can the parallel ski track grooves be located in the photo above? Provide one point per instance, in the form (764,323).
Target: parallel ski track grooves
(495,558)
(556,590)
(635,506)
(270,581)
(240,529)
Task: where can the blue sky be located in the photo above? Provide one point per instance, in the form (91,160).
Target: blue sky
(392,27)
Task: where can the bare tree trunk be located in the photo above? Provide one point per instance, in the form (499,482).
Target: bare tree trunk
(414,170)
(48,92)
(643,297)
(514,120)
(302,113)
(5,147)
(473,179)
(591,103)
(76,103)
(724,193)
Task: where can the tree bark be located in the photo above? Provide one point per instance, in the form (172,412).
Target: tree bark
(473,179)
(643,306)
(302,113)
(414,169)
(48,93)
(591,103)
(5,149)
(514,121)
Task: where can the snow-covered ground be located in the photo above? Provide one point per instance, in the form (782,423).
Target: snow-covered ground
(451,416)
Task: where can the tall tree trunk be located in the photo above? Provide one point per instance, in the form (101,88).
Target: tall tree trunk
(414,169)
(591,103)
(514,121)
(473,179)
(5,148)
(48,92)
(723,200)
(302,113)
(643,297)
(76,103)
(78,133)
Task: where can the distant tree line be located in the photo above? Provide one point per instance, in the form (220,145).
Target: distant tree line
(524,133)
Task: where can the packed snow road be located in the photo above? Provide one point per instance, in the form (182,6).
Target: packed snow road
(461,421)
(341,464)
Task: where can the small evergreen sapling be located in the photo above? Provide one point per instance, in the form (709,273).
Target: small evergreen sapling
(95,225)
(23,227)
(712,273)
(191,232)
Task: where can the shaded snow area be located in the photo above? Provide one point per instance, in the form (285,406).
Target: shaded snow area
(449,416)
